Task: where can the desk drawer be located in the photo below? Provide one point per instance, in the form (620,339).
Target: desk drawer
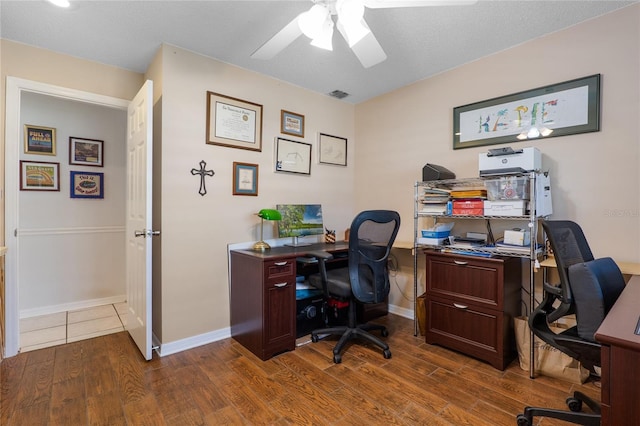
(472,330)
(283,270)
(472,280)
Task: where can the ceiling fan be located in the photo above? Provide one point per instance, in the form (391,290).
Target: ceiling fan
(317,23)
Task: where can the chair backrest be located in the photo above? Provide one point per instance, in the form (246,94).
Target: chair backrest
(595,286)
(371,236)
(589,288)
(569,247)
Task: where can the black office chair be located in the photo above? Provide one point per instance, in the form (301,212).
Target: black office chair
(366,279)
(588,288)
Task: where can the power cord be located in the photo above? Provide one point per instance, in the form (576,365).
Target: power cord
(392,266)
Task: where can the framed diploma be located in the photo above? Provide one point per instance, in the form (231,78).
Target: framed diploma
(233,122)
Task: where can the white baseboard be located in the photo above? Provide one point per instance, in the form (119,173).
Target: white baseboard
(83,304)
(170,348)
(403,312)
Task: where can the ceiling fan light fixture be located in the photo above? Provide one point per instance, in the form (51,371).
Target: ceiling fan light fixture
(312,21)
(324,40)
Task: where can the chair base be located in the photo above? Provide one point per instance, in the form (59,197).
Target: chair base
(574,416)
(349,333)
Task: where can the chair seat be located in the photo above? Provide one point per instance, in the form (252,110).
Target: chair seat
(338,283)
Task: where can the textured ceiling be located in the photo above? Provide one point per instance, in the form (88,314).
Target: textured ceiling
(419,42)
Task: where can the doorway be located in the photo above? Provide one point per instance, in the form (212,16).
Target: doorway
(22,233)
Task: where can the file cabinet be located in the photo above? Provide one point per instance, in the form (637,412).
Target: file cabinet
(263,303)
(470,304)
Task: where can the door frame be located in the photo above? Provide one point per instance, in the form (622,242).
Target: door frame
(14,89)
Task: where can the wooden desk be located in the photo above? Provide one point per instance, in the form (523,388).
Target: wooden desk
(627,268)
(621,359)
(263,296)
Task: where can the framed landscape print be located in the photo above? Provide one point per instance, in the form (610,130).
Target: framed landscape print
(86,152)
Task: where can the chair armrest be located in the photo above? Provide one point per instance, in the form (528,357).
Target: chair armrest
(322,257)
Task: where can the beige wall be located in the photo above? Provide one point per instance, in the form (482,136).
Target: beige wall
(196,229)
(595,176)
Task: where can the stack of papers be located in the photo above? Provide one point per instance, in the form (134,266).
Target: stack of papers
(434,201)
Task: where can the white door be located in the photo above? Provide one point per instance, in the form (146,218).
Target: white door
(138,210)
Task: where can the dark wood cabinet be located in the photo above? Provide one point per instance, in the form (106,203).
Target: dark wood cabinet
(263,303)
(470,304)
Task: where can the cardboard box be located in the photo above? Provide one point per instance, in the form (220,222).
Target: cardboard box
(505,208)
(468,212)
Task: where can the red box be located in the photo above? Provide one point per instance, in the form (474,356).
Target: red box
(468,207)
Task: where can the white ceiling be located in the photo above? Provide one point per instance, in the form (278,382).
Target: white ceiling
(419,42)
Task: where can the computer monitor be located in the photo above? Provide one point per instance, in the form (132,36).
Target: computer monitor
(299,220)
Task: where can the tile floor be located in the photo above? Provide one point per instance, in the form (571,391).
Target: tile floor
(66,327)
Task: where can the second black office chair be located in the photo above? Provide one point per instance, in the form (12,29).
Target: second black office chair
(366,279)
(589,287)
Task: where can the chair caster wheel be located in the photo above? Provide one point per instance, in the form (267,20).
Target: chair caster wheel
(574,404)
(386,353)
(384,333)
(314,338)
(337,358)
(522,420)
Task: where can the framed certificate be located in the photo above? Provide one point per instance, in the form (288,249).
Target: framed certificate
(233,122)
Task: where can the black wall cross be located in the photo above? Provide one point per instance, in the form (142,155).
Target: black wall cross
(202,172)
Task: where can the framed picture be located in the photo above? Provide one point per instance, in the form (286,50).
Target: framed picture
(85,152)
(86,184)
(560,109)
(39,140)
(245,179)
(332,150)
(39,176)
(233,122)
(291,123)
(293,157)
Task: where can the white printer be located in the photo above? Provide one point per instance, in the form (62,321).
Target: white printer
(501,161)
(505,161)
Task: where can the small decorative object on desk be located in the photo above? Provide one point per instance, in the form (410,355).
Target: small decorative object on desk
(330,236)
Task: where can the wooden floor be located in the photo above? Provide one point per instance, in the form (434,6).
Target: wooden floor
(105,381)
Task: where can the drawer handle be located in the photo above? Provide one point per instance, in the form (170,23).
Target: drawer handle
(280,263)
(280,284)
(460,262)
(459,306)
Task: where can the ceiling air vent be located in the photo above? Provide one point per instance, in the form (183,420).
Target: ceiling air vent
(339,94)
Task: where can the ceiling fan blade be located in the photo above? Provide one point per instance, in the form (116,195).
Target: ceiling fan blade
(368,50)
(278,42)
(380,4)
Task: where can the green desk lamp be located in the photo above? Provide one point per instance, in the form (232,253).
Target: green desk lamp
(269,214)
